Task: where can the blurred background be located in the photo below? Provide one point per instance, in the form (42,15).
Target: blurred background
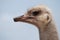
(10,30)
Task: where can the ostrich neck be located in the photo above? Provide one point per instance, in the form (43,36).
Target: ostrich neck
(48,32)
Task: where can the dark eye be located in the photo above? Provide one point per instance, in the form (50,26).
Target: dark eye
(35,13)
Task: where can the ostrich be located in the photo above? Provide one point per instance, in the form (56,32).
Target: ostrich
(41,17)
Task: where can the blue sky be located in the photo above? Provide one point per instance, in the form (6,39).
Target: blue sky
(9,30)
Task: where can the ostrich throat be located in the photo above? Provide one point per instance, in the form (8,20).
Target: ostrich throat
(48,32)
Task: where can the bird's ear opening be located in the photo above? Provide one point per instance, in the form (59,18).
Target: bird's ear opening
(48,19)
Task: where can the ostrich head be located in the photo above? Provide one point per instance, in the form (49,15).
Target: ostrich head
(38,15)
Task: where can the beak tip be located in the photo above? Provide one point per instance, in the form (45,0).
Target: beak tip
(14,19)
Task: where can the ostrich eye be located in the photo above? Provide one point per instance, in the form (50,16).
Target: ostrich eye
(35,13)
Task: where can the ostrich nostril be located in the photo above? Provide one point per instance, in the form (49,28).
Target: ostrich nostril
(30,17)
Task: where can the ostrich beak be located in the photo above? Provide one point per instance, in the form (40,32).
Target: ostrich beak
(25,18)
(21,18)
